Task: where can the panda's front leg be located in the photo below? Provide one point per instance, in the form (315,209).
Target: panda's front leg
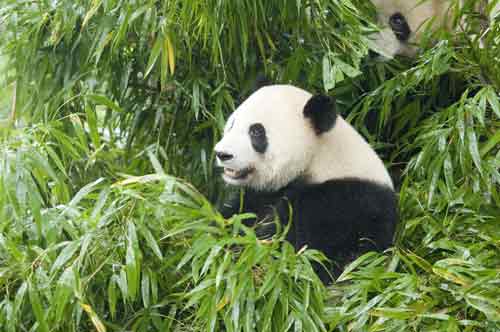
(251,201)
(238,203)
(231,206)
(289,217)
(293,213)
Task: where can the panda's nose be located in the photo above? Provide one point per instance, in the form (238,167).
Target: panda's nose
(223,156)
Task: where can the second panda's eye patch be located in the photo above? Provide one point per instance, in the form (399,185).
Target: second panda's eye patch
(400,27)
(257,134)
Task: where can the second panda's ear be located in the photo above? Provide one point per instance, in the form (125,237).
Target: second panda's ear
(321,112)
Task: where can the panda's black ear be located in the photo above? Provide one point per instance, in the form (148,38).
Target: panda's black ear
(321,111)
(261,80)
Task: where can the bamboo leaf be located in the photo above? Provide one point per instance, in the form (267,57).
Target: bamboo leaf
(103,100)
(171,54)
(328,77)
(63,292)
(82,193)
(131,262)
(36,305)
(155,53)
(474,148)
(65,255)
(96,321)
(492,143)
(112,295)
(92,124)
(95,5)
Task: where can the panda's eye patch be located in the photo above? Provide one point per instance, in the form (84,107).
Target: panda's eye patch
(400,27)
(257,134)
(257,130)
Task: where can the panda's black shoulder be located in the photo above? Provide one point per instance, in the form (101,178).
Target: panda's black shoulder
(345,198)
(352,189)
(342,217)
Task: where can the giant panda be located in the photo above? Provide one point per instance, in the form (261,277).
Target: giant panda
(401,22)
(293,152)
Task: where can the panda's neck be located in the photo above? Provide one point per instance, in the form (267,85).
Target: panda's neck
(344,153)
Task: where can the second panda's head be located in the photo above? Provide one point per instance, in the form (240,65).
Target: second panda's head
(272,137)
(401,23)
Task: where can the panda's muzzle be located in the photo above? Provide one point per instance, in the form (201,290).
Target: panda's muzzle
(237,174)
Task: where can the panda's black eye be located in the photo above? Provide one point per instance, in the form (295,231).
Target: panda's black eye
(257,134)
(400,27)
(257,130)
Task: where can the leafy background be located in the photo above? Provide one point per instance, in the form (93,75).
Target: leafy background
(106,105)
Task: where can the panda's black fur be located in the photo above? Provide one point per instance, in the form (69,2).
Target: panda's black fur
(343,218)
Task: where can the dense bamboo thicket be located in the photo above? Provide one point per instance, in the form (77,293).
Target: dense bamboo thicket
(108,114)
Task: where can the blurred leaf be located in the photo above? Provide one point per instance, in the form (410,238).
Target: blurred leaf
(37,307)
(103,100)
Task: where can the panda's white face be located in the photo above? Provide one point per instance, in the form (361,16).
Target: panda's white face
(401,23)
(267,141)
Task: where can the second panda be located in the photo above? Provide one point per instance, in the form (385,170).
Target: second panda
(402,22)
(289,148)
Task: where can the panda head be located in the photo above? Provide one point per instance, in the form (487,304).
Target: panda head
(271,138)
(401,23)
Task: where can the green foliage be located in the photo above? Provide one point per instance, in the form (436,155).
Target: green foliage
(165,71)
(139,254)
(96,94)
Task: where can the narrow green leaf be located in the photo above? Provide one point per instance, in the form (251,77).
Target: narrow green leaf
(103,100)
(96,4)
(68,252)
(36,305)
(474,149)
(493,142)
(63,291)
(145,289)
(86,190)
(120,35)
(20,297)
(155,52)
(94,318)
(346,68)
(131,261)
(328,77)
(494,100)
(37,216)
(393,313)
(164,63)
(171,54)
(112,295)
(150,241)
(57,161)
(93,125)
(80,132)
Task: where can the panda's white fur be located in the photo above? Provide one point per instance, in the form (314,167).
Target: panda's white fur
(343,153)
(294,147)
(301,162)
(417,13)
(277,108)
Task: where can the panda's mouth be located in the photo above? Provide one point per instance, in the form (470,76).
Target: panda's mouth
(240,174)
